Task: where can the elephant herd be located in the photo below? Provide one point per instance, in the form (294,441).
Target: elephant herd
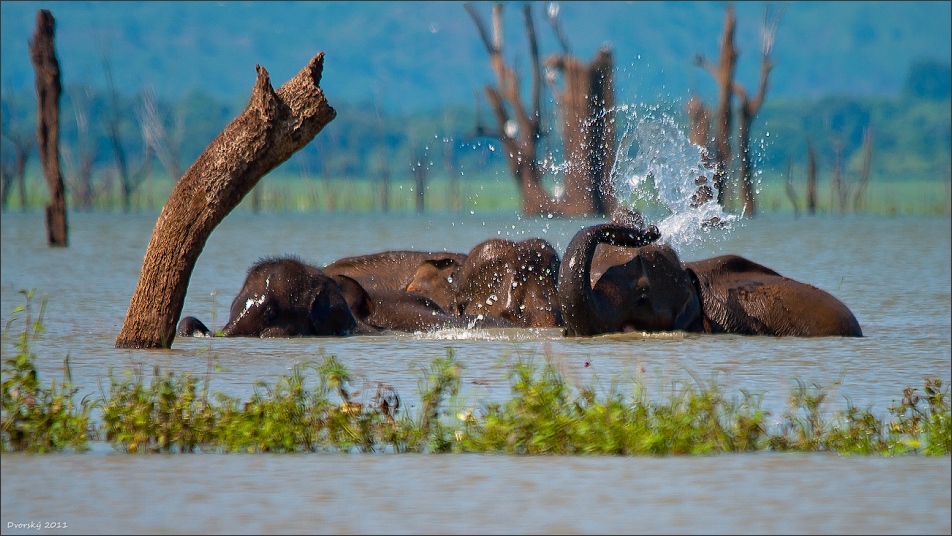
(614,277)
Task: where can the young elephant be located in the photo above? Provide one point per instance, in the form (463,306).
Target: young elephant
(743,297)
(512,280)
(401,310)
(655,291)
(284,297)
(651,292)
(430,273)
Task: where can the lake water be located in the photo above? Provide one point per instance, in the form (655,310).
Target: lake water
(893,273)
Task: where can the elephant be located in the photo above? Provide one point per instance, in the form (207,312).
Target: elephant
(512,280)
(402,310)
(430,273)
(284,297)
(655,291)
(650,292)
(744,297)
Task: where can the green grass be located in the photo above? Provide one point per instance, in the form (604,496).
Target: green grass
(545,415)
(495,192)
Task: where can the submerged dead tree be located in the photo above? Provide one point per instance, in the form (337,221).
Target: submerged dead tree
(13,161)
(584,108)
(48,91)
(275,125)
(748,108)
(723,74)
(859,197)
(588,130)
(811,179)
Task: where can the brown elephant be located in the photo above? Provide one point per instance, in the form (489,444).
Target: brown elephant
(654,291)
(743,297)
(432,274)
(512,280)
(401,310)
(284,297)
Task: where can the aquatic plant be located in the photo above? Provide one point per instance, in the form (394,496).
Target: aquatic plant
(36,418)
(546,414)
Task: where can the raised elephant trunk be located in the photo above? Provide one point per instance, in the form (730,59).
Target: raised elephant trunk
(582,311)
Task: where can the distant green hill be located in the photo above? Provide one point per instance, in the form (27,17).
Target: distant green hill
(408,56)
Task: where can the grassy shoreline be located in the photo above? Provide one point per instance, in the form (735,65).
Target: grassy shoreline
(280,193)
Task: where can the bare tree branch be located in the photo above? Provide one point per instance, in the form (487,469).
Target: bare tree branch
(274,126)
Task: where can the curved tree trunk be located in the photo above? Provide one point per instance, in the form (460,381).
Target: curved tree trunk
(274,126)
(48,91)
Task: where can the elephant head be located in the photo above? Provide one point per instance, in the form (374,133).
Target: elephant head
(284,297)
(512,280)
(650,292)
(438,280)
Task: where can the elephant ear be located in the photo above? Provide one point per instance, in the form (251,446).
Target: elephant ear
(355,295)
(436,279)
(689,318)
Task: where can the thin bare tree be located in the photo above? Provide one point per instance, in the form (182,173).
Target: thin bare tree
(80,159)
(723,74)
(48,91)
(791,192)
(165,142)
(22,142)
(587,99)
(273,126)
(419,167)
(859,196)
(450,165)
(839,187)
(811,179)
(113,118)
(749,107)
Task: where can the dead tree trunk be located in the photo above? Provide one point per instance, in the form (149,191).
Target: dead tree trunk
(585,110)
(79,160)
(723,74)
(22,145)
(699,120)
(839,189)
(588,138)
(274,126)
(791,192)
(48,90)
(811,179)
(419,183)
(749,107)
(859,197)
(520,135)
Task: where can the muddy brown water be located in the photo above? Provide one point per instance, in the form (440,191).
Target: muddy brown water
(894,273)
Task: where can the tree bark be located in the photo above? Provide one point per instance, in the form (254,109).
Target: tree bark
(274,126)
(48,91)
(699,119)
(588,135)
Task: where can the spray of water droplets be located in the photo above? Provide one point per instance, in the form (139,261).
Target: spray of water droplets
(655,172)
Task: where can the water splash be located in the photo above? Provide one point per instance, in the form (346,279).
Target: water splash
(655,171)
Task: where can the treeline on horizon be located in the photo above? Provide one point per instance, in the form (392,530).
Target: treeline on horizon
(911,135)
